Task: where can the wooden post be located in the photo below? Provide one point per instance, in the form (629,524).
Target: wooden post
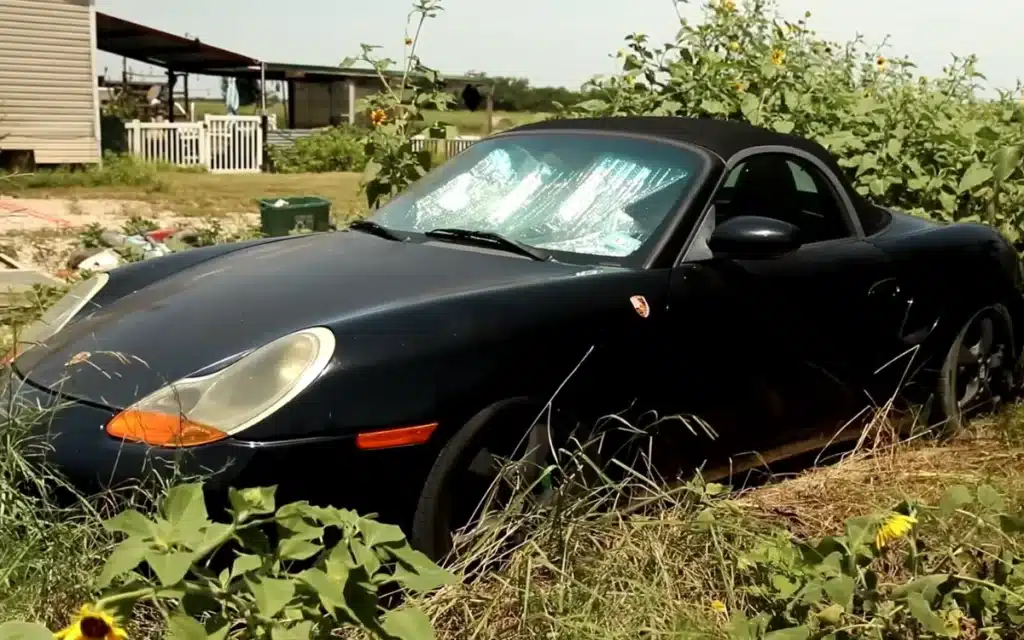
(261,142)
(170,95)
(291,103)
(188,103)
(351,84)
(263,88)
(490,110)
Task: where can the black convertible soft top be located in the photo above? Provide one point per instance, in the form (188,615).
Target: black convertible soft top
(723,138)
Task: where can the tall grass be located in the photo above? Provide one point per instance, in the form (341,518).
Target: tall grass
(637,559)
(116,170)
(50,552)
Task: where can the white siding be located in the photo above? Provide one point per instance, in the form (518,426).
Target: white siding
(48,100)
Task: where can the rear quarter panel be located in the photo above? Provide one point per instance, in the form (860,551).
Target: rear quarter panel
(946,271)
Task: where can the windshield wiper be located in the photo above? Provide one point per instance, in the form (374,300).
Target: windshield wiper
(491,237)
(375,228)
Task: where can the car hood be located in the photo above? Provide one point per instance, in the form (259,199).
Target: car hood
(225,306)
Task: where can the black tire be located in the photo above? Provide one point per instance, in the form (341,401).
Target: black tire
(978,372)
(446,495)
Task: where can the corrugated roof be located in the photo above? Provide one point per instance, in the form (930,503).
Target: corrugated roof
(289,71)
(146,44)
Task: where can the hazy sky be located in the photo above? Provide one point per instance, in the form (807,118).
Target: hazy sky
(562,42)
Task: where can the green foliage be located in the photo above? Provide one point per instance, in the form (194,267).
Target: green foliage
(516,94)
(116,170)
(396,114)
(334,149)
(930,146)
(125,105)
(954,568)
(20,311)
(211,231)
(137,225)
(298,571)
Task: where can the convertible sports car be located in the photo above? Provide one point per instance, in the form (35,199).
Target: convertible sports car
(662,265)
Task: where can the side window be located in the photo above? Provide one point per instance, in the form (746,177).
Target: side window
(804,181)
(787,188)
(781,186)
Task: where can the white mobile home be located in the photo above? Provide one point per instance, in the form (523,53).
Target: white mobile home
(48,98)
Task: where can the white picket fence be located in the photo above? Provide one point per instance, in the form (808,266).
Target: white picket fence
(447,147)
(233,144)
(222,144)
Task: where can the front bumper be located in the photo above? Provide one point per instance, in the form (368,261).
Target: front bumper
(329,470)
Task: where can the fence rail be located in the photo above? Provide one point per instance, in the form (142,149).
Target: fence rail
(235,144)
(177,143)
(447,147)
(222,144)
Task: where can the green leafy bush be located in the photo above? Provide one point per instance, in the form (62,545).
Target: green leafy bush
(930,146)
(298,571)
(333,149)
(951,570)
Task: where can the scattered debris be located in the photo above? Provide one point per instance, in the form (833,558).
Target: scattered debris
(102,260)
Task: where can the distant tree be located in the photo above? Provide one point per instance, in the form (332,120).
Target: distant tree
(516,94)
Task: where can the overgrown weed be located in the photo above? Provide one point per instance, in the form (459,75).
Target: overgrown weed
(116,170)
(52,540)
(690,561)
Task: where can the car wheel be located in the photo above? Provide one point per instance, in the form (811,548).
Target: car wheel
(977,374)
(471,462)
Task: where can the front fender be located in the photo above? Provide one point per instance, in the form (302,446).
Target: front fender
(443,361)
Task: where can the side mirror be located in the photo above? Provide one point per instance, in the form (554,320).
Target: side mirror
(753,237)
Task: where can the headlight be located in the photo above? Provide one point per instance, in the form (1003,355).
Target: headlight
(194,411)
(57,316)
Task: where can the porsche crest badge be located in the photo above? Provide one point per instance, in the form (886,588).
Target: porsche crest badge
(640,306)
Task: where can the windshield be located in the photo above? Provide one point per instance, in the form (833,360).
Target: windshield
(591,194)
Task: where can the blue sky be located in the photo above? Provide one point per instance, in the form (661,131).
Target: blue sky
(561,42)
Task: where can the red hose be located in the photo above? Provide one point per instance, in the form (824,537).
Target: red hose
(13,208)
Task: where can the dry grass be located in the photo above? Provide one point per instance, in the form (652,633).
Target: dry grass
(817,503)
(208,194)
(607,573)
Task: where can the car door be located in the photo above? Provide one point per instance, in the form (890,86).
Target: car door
(776,349)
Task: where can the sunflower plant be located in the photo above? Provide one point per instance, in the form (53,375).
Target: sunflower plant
(947,570)
(289,573)
(934,147)
(396,113)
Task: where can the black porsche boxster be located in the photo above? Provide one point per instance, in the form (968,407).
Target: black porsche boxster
(661,265)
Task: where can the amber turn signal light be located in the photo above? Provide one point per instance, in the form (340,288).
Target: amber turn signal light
(161,429)
(398,437)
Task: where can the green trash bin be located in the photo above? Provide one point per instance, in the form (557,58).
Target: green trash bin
(279,216)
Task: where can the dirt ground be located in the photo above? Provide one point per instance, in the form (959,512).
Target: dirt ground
(42,233)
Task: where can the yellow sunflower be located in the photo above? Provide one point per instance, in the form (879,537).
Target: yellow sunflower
(92,624)
(378,116)
(778,57)
(881,63)
(728,5)
(895,527)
